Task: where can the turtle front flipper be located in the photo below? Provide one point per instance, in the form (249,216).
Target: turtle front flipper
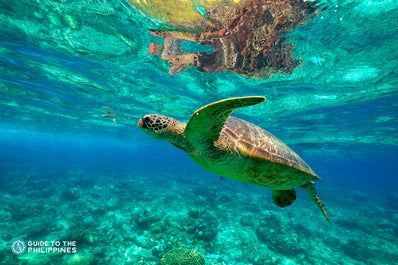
(283,198)
(310,189)
(205,124)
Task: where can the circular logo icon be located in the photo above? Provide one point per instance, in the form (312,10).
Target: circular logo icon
(18,247)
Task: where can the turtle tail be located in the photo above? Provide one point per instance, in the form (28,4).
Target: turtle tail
(310,189)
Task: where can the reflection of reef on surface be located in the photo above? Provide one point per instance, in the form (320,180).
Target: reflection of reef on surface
(247,38)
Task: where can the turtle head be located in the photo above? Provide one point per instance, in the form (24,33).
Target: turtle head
(155,125)
(165,128)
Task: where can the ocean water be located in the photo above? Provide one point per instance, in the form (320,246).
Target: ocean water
(75,77)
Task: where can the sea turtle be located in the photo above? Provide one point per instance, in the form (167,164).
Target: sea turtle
(237,149)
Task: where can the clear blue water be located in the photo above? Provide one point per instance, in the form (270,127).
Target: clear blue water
(75,76)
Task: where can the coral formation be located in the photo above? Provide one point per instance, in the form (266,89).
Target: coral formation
(182,256)
(271,232)
(202,226)
(80,259)
(145,219)
(69,195)
(81,236)
(247,38)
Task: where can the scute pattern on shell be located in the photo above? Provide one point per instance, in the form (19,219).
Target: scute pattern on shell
(254,142)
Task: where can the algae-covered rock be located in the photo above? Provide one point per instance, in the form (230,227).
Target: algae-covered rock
(182,256)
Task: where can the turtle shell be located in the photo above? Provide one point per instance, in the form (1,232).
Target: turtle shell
(260,157)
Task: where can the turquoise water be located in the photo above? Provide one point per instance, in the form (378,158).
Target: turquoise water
(75,76)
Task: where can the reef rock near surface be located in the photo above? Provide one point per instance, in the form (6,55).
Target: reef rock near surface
(247,37)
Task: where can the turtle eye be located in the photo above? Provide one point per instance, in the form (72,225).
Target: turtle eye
(146,119)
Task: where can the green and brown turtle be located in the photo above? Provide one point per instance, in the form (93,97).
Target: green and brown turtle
(237,149)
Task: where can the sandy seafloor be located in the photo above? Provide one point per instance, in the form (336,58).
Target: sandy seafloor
(127,204)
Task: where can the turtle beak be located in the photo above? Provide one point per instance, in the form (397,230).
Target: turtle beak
(140,124)
(143,122)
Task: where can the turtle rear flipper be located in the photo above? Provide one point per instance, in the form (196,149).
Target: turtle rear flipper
(283,198)
(310,189)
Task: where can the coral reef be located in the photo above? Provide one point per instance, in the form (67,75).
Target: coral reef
(182,256)
(229,222)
